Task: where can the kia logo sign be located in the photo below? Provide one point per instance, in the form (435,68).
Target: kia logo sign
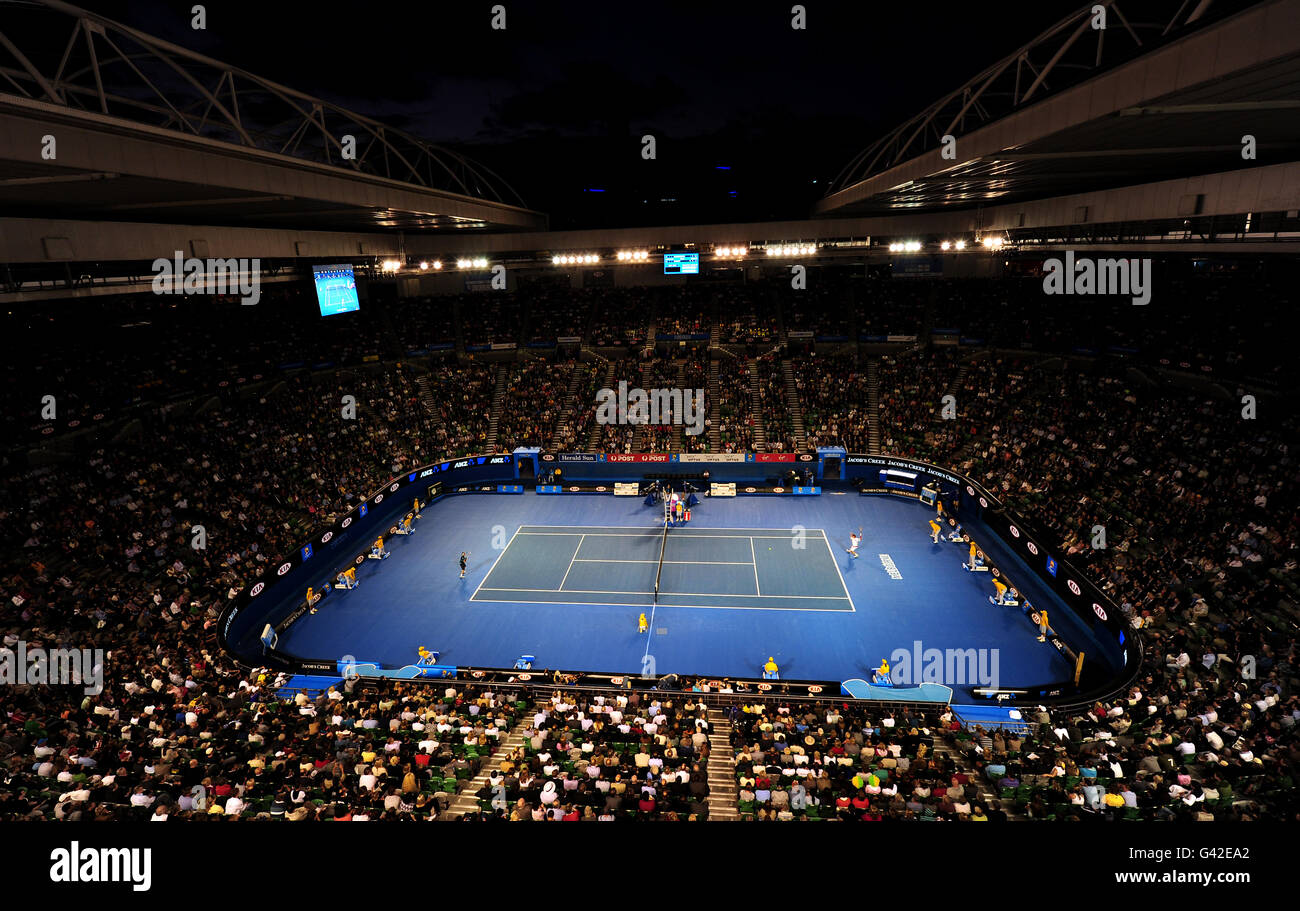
(476,673)
(257,590)
(283,569)
(765,686)
(1015,532)
(379,499)
(602,489)
(805,458)
(574,489)
(1033,548)
(346,522)
(814,689)
(548,458)
(1074,587)
(778,490)
(1096,609)
(393,530)
(359,560)
(324,539)
(525,676)
(617,681)
(995,571)
(394,487)
(970,490)
(984,503)
(750,490)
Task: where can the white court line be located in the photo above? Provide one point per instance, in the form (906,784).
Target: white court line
(754,560)
(632,591)
(671,562)
(837,571)
(802,610)
(637,531)
(825,538)
(496,561)
(571,559)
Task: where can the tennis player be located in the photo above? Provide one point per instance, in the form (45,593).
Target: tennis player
(935,528)
(464,561)
(854,541)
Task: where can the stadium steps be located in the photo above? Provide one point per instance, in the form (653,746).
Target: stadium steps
(570,411)
(715,337)
(678,427)
(498,396)
(641,439)
(466,797)
(984,792)
(715,389)
(796,410)
(873,405)
(721,768)
(955,386)
(593,437)
(427,400)
(756,406)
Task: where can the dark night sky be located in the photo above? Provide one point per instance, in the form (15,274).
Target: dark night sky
(557,102)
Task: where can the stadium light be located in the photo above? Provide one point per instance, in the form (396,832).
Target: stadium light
(462,264)
(945,245)
(437,264)
(961,245)
(424,265)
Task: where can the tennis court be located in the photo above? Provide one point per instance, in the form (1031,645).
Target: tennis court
(730,568)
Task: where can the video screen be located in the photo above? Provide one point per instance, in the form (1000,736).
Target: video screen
(336,289)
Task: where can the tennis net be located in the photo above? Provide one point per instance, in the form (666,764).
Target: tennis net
(662,547)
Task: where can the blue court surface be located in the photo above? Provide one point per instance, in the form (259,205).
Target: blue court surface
(566,578)
(736,568)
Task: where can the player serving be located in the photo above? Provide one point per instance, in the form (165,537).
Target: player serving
(854,541)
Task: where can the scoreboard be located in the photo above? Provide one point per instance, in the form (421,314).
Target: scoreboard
(681,263)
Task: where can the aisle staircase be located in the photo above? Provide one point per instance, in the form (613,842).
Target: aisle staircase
(569,411)
(756,406)
(466,798)
(873,405)
(498,396)
(713,392)
(427,400)
(679,429)
(796,408)
(593,435)
(723,794)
